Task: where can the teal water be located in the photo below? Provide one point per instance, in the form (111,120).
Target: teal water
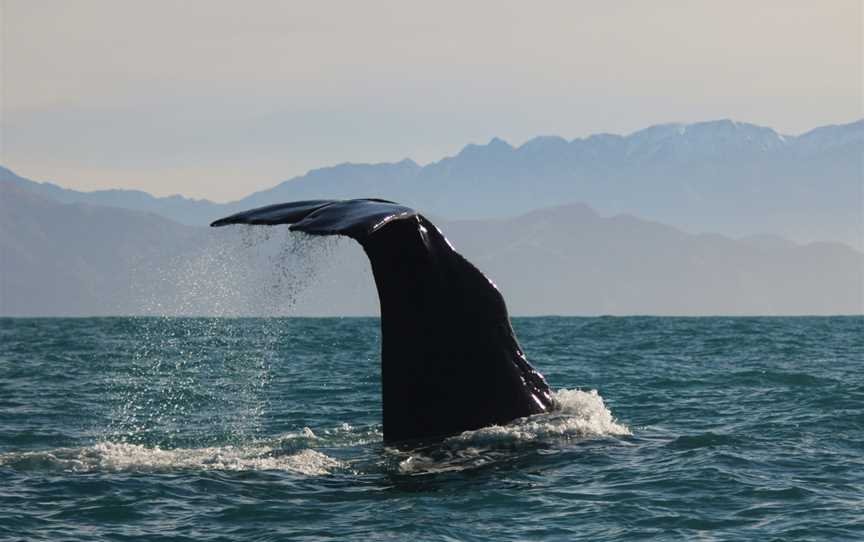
(269,429)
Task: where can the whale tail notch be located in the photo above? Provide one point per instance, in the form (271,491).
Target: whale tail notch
(450,361)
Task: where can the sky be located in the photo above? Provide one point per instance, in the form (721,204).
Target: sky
(218,98)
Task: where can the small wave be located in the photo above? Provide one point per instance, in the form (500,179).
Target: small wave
(787,378)
(114,456)
(705,440)
(580,414)
(341,436)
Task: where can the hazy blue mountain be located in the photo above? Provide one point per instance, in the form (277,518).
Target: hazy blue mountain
(576,261)
(177,208)
(730,177)
(79,259)
(735,178)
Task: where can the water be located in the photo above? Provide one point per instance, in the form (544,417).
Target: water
(269,429)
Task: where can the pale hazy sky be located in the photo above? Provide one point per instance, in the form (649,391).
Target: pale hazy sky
(217,99)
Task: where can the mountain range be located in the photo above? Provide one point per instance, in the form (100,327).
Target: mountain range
(76,259)
(722,176)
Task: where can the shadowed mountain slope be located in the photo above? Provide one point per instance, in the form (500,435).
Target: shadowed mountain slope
(720,176)
(76,259)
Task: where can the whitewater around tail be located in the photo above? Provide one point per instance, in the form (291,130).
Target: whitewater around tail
(581,415)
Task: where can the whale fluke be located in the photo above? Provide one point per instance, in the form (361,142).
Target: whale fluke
(450,361)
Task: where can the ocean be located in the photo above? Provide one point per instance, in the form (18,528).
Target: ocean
(270,429)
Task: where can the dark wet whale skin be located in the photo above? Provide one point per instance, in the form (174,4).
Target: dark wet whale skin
(450,361)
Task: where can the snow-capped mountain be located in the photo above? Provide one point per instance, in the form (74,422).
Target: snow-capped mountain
(722,176)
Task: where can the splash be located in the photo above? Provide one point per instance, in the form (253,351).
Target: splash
(249,271)
(581,414)
(188,384)
(114,457)
(198,381)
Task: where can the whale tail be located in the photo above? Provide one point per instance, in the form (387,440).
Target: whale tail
(450,361)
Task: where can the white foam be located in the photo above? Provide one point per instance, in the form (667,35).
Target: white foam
(589,413)
(115,456)
(580,414)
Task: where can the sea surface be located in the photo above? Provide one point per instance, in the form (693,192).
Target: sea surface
(269,429)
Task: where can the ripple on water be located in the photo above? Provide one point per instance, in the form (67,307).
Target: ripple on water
(269,429)
(113,457)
